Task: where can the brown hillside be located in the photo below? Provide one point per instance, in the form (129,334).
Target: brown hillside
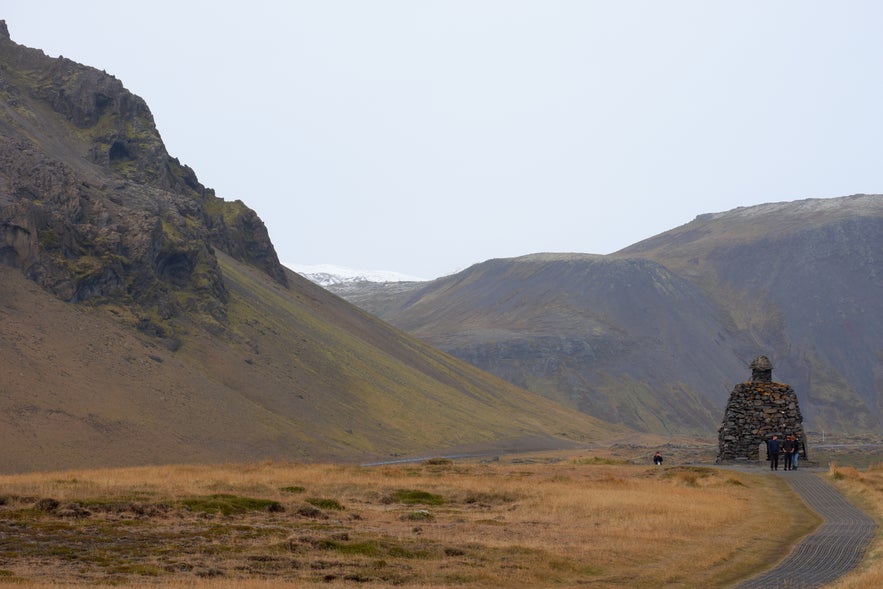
(300,375)
(145,320)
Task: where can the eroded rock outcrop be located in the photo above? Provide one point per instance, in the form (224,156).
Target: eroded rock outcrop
(93,208)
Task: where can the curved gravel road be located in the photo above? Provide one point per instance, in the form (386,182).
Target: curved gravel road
(834,549)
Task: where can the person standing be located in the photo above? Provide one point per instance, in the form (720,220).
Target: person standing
(788,451)
(796,455)
(657,459)
(772,449)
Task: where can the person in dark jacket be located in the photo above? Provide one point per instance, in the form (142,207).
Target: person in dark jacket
(788,448)
(657,459)
(772,449)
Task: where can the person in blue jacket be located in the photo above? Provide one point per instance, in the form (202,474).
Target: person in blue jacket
(796,456)
(788,449)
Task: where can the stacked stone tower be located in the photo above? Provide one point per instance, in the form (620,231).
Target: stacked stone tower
(757,410)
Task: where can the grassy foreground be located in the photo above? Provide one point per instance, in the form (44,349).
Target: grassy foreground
(538,522)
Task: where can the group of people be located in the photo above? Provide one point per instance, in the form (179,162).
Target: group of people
(788,449)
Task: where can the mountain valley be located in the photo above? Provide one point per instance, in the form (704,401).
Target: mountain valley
(656,335)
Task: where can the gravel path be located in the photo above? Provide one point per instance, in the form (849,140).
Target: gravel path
(834,549)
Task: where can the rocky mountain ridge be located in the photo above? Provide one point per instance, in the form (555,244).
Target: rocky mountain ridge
(94,208)
(655,335)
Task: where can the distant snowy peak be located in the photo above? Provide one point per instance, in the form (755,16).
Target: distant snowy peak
(329,275)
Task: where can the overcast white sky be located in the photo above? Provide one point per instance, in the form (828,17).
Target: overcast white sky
(425,136)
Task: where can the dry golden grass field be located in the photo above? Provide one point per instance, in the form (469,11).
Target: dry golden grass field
(546,521)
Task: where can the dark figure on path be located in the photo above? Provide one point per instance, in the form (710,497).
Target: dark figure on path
(772,450)
(796,455)
(657,459)
(788,451)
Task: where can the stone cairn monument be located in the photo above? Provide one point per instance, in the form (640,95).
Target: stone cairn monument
(757,410)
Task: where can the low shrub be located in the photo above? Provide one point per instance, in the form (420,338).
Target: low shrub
(293,489)
(419,515)
(414,497)
(332,504)
(229,504)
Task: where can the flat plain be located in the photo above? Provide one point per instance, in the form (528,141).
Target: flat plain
(541,520)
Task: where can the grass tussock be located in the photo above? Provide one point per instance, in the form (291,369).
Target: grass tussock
(226,504)
(480,525)
(323,503)
(414,497)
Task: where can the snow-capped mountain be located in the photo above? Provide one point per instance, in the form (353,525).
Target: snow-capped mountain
(329,275)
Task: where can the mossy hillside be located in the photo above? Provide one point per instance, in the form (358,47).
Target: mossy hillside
(634,401)
(837,405)
(560,325)
(385,390)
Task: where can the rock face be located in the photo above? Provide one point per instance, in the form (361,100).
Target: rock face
(757,410)
(93,208)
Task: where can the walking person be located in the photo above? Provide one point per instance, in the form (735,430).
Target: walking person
(796,455)
(788,451)
(772,449)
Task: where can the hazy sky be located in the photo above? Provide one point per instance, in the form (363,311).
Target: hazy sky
(425,136)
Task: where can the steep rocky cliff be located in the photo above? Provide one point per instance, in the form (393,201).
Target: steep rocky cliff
(93,208)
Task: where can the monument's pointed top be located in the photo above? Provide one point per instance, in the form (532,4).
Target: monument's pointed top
(762,369)
(761,363)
